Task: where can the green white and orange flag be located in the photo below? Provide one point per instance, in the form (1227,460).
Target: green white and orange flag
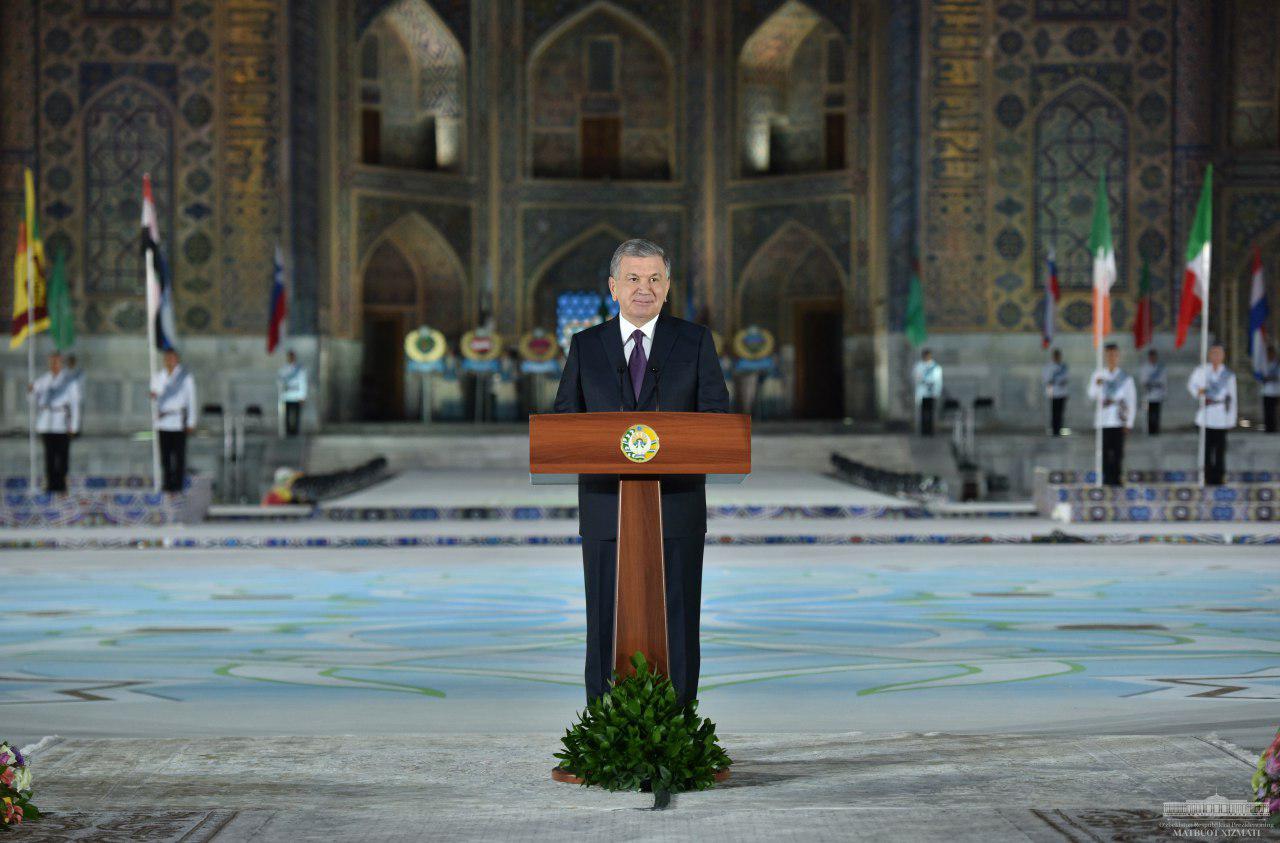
(29,316)
(1104,262)
(1195,281)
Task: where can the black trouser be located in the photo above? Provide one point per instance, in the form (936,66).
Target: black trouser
(1153,418)
(1112,455)
(57,456)
(1215,455)
(683,569)
(292,417)
(926,416)
(1058,409)
(173,458)
(1270,403)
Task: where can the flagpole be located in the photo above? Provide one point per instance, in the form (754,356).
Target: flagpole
(1204,359)
(1097,428)
(31,361)
(147,259)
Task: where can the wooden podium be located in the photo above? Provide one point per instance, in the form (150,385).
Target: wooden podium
(562,446)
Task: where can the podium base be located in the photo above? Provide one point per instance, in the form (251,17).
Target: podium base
(560,775)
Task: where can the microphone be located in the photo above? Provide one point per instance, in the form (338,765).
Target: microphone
(622,401)
(657,394)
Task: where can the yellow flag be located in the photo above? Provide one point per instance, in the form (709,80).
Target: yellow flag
(29,317)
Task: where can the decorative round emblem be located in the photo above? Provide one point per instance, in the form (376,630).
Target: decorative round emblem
(640,443)
(538,347)
(425,345)
(753,343)
(481,345)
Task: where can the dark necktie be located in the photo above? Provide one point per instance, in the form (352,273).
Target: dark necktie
(637,361)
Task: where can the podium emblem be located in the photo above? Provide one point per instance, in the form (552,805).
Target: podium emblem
(640,443)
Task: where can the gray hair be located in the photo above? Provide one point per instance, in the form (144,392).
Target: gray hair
(637,248)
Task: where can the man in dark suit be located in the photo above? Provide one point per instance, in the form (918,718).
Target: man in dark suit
(643,360)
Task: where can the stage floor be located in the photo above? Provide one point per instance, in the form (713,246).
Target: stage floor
(1125,639)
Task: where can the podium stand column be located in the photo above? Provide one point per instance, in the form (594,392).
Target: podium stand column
(640,614)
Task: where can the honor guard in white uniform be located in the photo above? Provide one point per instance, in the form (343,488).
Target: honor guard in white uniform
(1116,402)
(1271,391)
(1217,384)
(927,375)
(173,394)
(57,397)
(1056,379)
(1155,385)
(292,379)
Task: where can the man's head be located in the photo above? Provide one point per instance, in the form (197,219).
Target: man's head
(639,280)
(55,362)
(292,357)
(1152,355)
(71,361)
(1057,355)
(1271,352)
(170,360)
(1217,354)
(1111,355)
(926,355)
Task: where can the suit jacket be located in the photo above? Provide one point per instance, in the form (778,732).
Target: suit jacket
(683,375)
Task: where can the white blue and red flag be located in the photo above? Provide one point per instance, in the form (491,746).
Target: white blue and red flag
(279,307)
(1258,312)
(1052,293)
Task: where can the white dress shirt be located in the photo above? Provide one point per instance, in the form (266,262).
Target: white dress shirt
(292,379)
(175,408)
(1055,378)
(1220,385)
(1115,397)
(928,379)
(1271,379)
(628,329)
(1155,382)
(57,400)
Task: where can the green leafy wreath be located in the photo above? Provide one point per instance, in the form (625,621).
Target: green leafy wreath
(636,736)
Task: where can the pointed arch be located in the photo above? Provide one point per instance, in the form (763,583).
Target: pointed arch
(128,129)
(411,110)
(601,98)
(1078,133)
(792,97)
(441,294)
(804,264)
(580,263)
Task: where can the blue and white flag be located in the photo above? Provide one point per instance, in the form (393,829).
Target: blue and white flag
(159,283)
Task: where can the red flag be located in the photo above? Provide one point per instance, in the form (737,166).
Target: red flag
(1142,319)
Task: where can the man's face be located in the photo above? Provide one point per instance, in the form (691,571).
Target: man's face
(1057,357)
(1112,356)
(170,360)
(1217,355)
(1152,357)
(293,358)
(926,357)
(640,288)
(55,363)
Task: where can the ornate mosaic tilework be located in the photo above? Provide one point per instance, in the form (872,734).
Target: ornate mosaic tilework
(251,114)
(1072,89)
(120,95)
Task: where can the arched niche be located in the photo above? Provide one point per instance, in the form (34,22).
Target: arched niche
(792,94)
(601,99)
(794,286)
(410,276)
(411,90)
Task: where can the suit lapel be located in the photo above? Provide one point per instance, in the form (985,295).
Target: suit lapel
(611,338)
(664,337)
